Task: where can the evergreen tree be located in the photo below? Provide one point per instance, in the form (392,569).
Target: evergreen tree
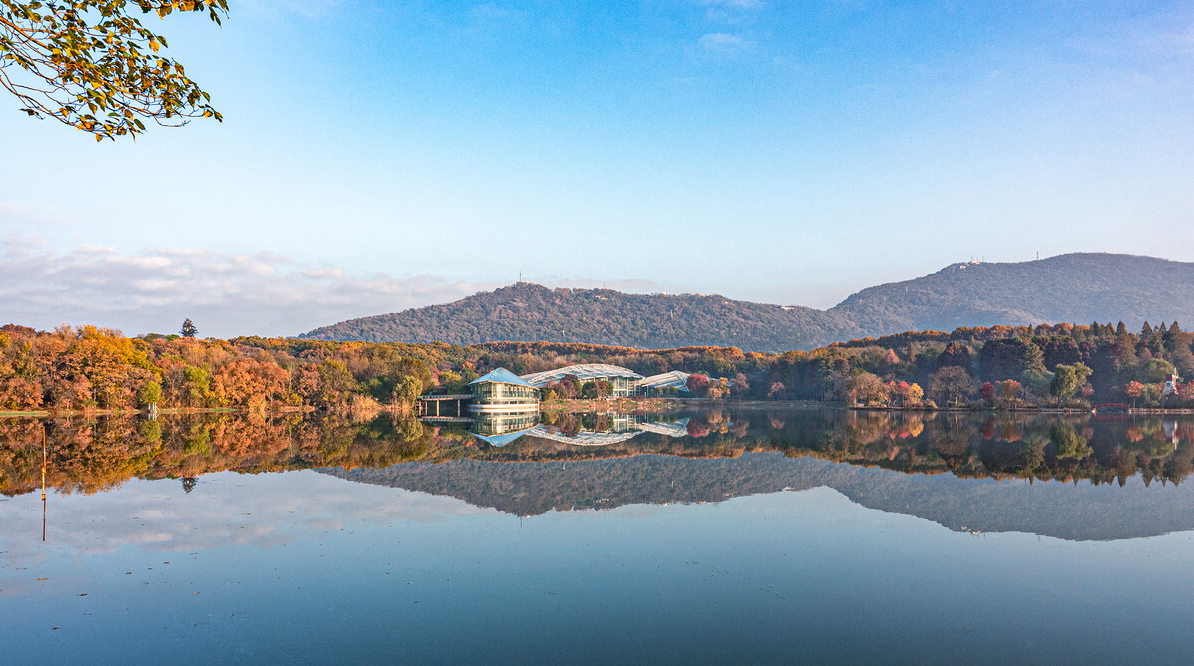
(188,329)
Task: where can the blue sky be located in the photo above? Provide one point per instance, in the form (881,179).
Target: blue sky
(382,155)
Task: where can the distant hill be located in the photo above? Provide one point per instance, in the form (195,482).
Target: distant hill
(1078,288)
(530,312)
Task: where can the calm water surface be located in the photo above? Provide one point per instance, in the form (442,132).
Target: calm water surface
(770,537)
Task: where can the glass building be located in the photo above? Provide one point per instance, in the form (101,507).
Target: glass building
(503,391)
(621,380)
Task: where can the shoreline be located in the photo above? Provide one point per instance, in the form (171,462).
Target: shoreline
(171,411)
(623,405)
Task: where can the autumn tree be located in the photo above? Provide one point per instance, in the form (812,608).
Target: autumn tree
(92,64)
(1134,390)
(915,394)
(987,393)
(866,388)
(1010,389)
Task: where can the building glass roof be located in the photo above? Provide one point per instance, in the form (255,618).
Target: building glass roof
(502,376)
(584,372)
(673,379)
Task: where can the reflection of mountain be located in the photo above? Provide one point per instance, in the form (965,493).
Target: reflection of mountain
(1078,512)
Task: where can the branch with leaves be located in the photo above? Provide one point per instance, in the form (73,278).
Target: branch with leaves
(91,64)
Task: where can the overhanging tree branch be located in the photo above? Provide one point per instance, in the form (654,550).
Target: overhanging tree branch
(92,65)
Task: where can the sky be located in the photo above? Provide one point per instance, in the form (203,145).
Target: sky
(377,156)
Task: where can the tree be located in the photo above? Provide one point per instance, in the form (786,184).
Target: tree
(952,384)
(1000,359)
(987,393)
(1067,379)
(955,355)
(1134,390)
(867,388)
(150,394)
(407,390)
(1011,392)
(92,65)
(188,329)
(915,394)
(697,383)
(1155,371)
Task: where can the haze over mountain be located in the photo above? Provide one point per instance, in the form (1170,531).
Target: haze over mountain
(1078,288)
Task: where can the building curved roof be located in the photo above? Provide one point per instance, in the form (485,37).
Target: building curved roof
(674,379)
(502,376)
(584,372)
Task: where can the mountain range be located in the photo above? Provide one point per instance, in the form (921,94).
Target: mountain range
(1078,288)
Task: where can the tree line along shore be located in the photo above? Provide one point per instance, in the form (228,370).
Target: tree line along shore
(91,369)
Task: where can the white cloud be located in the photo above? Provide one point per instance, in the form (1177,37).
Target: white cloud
(225,294)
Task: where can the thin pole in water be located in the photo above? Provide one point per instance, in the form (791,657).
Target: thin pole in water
(43,482)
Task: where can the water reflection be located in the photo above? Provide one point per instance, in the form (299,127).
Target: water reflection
(204,561)
(94,455)
(591,429)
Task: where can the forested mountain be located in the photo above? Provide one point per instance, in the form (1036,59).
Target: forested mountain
(531,312)
(1078,288)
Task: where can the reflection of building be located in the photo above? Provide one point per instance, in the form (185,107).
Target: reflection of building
(669,382)
(502,429)
(583,437)
(621,380)
(503,391)
(499,429)
(676,429)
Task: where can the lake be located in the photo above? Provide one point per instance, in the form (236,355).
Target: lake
(736,534)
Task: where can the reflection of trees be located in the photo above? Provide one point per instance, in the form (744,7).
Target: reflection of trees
(951,441)
(90,455)
(94,455)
